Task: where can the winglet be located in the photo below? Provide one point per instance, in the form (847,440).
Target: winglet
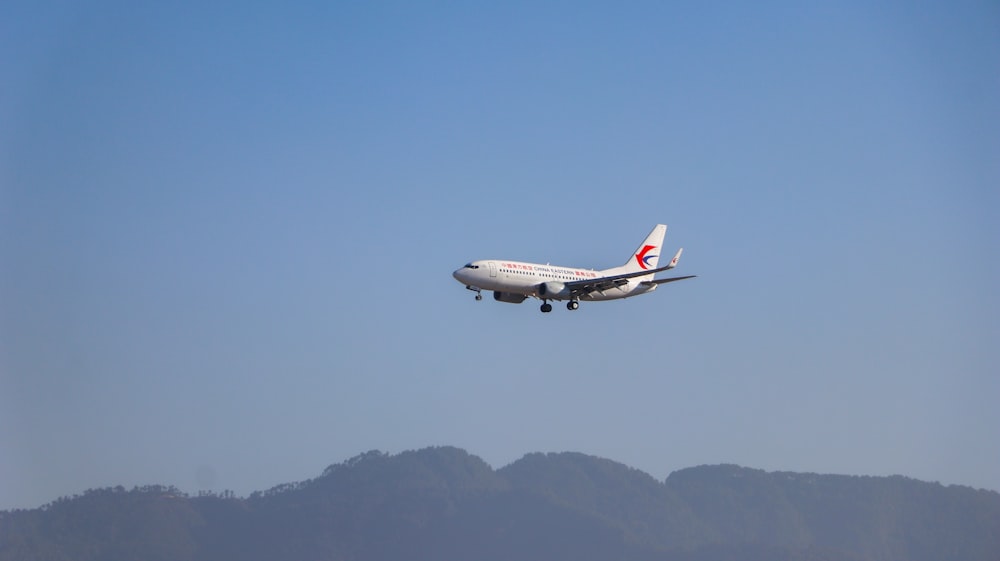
(677,257)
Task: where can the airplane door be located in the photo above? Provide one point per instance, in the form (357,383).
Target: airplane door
(493,269)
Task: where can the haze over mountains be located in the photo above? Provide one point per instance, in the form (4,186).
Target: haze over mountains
(443,503)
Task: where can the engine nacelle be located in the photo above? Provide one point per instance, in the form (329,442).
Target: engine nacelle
(508,297)
(553,290)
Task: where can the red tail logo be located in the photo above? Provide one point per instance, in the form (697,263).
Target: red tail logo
(642,259)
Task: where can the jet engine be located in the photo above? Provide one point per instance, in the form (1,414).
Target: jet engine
(508,297)
(553,290)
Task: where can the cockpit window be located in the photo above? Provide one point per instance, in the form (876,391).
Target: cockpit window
(470,266)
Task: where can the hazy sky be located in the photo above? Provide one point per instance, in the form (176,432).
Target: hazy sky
(227,232)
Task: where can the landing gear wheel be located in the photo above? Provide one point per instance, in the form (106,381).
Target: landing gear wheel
(477,290)
(546,308)
(572,305)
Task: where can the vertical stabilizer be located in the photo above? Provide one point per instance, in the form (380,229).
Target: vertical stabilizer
(648,253)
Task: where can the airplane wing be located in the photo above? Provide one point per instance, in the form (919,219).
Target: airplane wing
(587,286)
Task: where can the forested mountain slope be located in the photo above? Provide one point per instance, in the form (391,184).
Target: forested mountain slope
(443,503)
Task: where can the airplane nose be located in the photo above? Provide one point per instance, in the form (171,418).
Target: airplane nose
(464,275)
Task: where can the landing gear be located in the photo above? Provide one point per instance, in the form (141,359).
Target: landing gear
(479,297)
(571,305)
(477,290)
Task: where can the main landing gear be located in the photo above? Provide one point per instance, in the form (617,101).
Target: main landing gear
(571,305)
(478,291)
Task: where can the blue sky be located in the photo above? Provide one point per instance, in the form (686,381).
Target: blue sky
(227,232)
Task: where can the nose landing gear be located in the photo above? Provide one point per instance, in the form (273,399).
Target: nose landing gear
(479,292)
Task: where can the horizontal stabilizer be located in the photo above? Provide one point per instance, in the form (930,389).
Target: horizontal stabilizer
(671,279)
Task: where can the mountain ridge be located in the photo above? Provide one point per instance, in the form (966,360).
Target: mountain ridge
(442,502)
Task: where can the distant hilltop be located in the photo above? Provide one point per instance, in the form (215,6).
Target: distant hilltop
(443,503)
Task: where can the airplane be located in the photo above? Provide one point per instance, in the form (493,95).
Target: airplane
(514,281)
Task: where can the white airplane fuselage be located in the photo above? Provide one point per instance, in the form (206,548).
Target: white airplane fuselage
(518,277)
(515,281)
